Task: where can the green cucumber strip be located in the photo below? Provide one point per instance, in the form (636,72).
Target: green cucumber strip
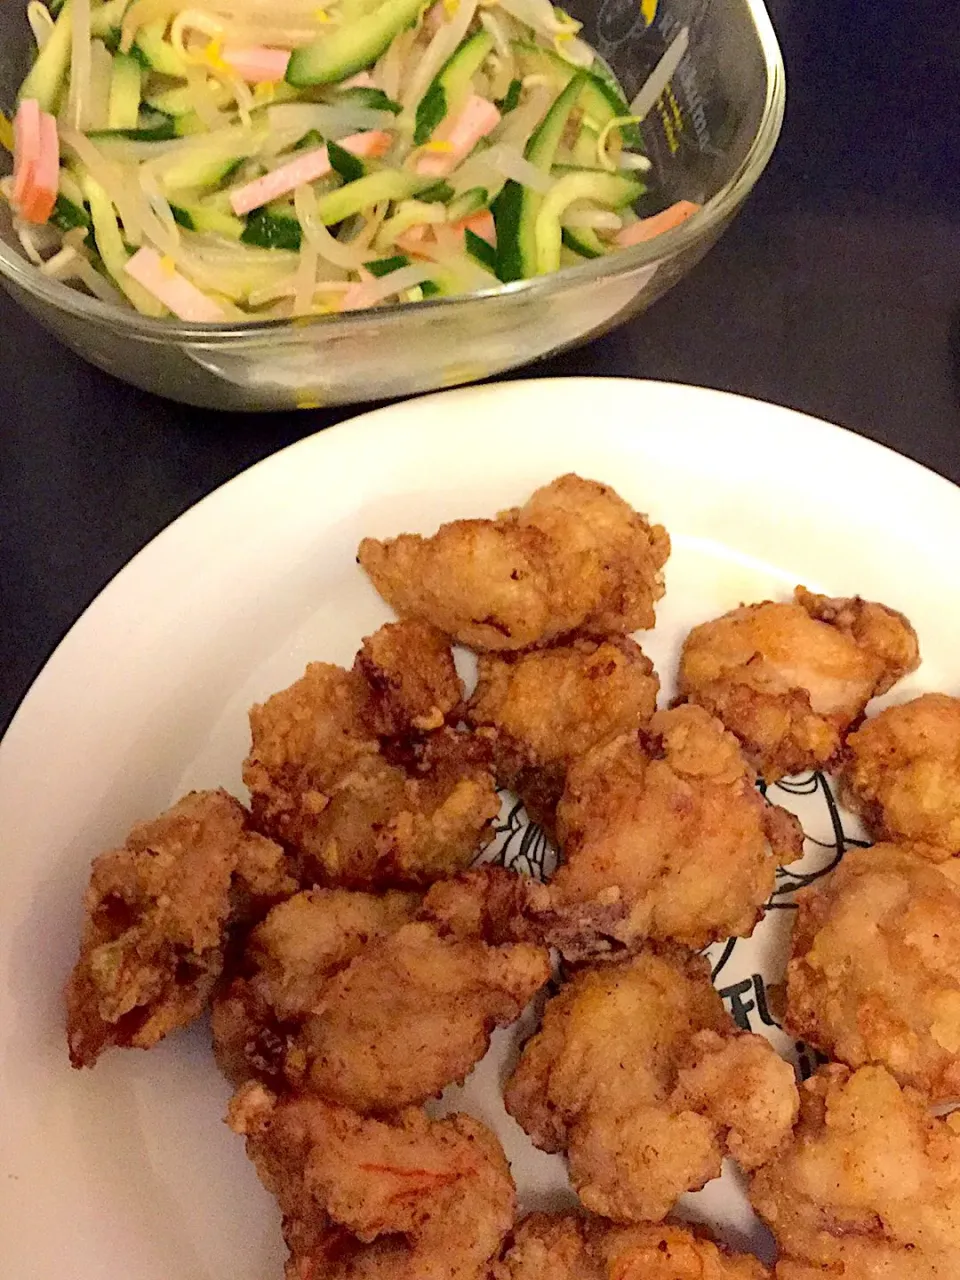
(67,214)
(602,98)
(105,19)
(310,141)
(609,190)
(192,173)
(387,184)
(375,99)
(439,193)
(468,202)
(450,88)
(352,47)
(512,97)
(383,266)
(348,166)
(583,241)
(429,288)
(159,53)
(159,129)
(199,217)
(268,230)
(123,110)
(45,79)
(516,208)
(110,246)
(480,249)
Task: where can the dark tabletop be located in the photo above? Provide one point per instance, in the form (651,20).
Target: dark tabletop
(836,291)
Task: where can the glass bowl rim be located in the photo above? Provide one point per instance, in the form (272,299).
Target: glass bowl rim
(20,271)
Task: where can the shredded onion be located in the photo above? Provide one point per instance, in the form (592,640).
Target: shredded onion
(507,160)
(327,246)
(101,69)
(41,23)
(289,121)
(661,75)
(89,276)
(202,99)
(170,242)
(305,276)
(79,65)
(115,183)
(372,292)
(25,236)
(582,214)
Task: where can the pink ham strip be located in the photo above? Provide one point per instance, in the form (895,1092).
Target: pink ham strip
(176,293)
(474,122)
(307,168)
(257,64)
(26,145)
(481,224)
(647,228)
(47,172)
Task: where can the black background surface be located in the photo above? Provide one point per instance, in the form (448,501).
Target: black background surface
(836,291)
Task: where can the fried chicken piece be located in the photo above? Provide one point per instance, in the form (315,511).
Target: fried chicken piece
(363,1199)
(902,774)
(868,1188)
(790,679)
(570,1247)
(642,1078)
(874,974)
(346,997)
(413,682)
(157,915)
(354,813)
(574,557)
(288,960)
(550,706)
(664,836)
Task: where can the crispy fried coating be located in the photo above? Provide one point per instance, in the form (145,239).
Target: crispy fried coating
(641,1076)
(157,915)
(288,959)
(414,686)
(549,707)
(664,836)
(902,774)
(574,557)
(874,974)
(790,679)
(348,997)
(570,1247)
(868,1188)
(362,1199)
(358,811)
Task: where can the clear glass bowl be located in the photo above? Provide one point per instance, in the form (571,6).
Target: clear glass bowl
(710,137)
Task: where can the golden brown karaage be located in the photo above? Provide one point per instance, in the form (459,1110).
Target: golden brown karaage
(548,707)
(401,1199)
(868,1187)
(663,836)
(902,774)
(639,1074)
(346,996)
(575,557)
(571,1247)
(344,773)
(874,974)
(790,679)
(157,917)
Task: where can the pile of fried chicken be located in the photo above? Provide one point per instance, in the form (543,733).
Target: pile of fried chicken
(357,958)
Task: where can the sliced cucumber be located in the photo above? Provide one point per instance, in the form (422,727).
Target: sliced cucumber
(352,47)
(344,163)
(512,97)
(601,98)
(610,190)
(388,184)
(198,171)
(516,208)
(269,229)
(450,87)
(47,76)
(123,110)
(383,266)
(105,19)
(67,214)
(110,246)
(471,201)
(201,217)
(583,241)
(480,250)
(375,99)
(157,53)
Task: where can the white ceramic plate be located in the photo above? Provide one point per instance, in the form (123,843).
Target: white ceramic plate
(127,1171)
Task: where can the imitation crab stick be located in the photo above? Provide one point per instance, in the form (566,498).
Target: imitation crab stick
(307,168)
(175,291)
(257,63)
(36,164)
(647,228)
(476,119)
